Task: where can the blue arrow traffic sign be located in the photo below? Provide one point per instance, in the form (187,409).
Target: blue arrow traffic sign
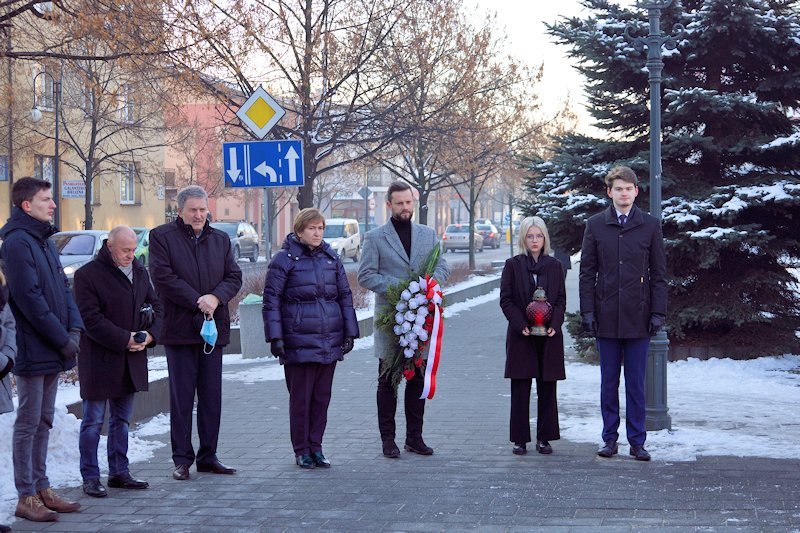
(263,164)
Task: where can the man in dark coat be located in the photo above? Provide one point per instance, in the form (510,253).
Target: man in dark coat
(48,336)
(122,317)
(196,276)
(623,294)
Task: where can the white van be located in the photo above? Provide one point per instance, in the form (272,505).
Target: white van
(344,237)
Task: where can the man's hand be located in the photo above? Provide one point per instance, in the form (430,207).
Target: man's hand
(276,347)
(207,303)
(71,349)
(657,322)
(589,324)
(526,331)
(550,332)
(347,346)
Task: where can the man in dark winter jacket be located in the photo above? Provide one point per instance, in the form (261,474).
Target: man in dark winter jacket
(122,316)
(196,276)
(48,337)
(623,295)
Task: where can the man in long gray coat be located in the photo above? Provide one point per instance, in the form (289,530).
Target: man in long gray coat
(392,254)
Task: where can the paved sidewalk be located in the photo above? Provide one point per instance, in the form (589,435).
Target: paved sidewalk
(472,482)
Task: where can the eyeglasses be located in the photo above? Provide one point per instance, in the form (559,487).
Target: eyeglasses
(535,237)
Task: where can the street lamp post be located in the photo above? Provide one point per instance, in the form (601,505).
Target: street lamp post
(36,116)
(657,416)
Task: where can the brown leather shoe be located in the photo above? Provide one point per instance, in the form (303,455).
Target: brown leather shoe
(53,501)
(31,508)
(181,472)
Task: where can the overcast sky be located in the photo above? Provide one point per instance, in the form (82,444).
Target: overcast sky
(524,21)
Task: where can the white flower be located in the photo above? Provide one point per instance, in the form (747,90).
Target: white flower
(412,304)
(413,286)
(411,335)
(401,306)
(423,336)
(436,299)
(399,318)
(423,285)
(413,344)
(406,327)
(410,316)
(403,341)
(422,311)
(405,295)
(420,320)
(420,298)
(398,330)
(417,329)
(408,353)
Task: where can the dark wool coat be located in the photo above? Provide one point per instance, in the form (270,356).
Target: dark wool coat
(183,269)
(40,297)
(109,304)
(308,303)
(622,279)
(515,294)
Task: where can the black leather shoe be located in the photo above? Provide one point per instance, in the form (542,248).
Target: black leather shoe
(390,449)
(95,489)
(320,460)
(181,472)
(520,449)
(126,481)
(4,528)
(640,453)
(543,447)
(609,449)
(419,447)
(216,468)
(305,461)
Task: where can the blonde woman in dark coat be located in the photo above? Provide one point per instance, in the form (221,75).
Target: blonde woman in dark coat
(531,357)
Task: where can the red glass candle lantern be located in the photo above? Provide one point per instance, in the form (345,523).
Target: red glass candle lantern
(539,313)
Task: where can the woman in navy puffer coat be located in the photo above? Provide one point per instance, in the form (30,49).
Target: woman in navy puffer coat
(310,324)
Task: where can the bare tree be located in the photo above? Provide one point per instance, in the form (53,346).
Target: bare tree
(321,58)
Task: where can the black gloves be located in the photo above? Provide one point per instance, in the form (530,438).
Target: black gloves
(276,347)
(589,324)
(6,368)
(73,346)
(657,322)
(347,346)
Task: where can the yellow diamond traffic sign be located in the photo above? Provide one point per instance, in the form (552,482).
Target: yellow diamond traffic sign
(260,113)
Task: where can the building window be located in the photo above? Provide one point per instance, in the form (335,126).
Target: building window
(3,168)
(44,167)
(45,89)
(127,183)
(127,104)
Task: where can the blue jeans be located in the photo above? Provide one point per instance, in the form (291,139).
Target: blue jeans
(94,411)
(37,400)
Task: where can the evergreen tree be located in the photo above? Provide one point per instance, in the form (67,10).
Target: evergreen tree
(731,159)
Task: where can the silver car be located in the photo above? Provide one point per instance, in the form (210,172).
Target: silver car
(76,248)
(456,237)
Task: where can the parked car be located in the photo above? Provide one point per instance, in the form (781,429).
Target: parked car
(344,236)
(143,245)
(490,234)
(456,237)
(244,239)
(76,248)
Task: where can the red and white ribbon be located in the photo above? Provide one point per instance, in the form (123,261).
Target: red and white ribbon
(435,347)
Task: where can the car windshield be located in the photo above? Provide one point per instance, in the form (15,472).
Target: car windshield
(74,244)
(457,229)
(483,227)
(230,229)
(333,231)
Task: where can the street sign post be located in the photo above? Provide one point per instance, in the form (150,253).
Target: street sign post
(263,164)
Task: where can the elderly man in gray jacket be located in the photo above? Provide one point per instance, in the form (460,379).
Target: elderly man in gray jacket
(392,254)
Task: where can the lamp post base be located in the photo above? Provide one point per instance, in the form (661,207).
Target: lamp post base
(657,416)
